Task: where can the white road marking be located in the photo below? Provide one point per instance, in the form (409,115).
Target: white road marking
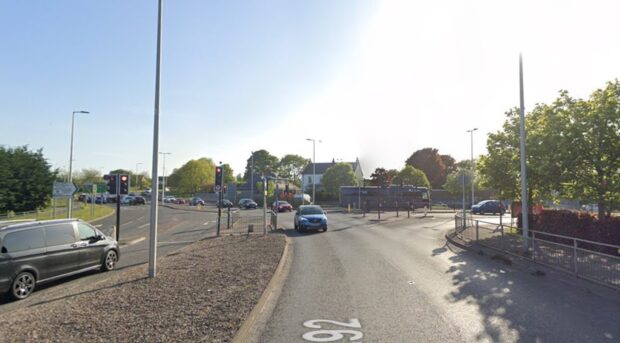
(135,241)
(129,222)
(205,223)
(332,335)
(144,225)
(98,225)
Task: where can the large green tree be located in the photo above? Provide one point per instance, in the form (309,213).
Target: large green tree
(411,176)
(264,163)
(291,167)
(26,179)
(194,176)
(431,163)
(572,151)
(340,174)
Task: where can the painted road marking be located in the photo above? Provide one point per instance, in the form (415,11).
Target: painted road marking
(98,225)
(205,223)
(144,225)
(129,222)
(332,335)
(135,241)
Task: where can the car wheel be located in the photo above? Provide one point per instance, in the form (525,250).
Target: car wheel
(324,228)
(111,257)
(23,285)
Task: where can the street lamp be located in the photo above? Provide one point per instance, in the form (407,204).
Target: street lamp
(252,177)
(313,168)
(163,189)
(71,158)
(473,168)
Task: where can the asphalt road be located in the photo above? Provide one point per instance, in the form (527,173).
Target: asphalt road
(397,281)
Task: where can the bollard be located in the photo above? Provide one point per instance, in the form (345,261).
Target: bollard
(397,209)
(228,224)
(349,208)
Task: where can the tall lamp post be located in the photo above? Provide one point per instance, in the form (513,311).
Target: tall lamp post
(252,178)
(313,167)
(473,168)
(163,189)
(70,212)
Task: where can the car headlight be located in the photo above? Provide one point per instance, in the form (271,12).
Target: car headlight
(303,219)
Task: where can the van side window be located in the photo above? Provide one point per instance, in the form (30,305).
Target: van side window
(24,240)
(59,234)
(86,232)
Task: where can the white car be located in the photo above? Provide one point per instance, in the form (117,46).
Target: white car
(170,199)
(128,200)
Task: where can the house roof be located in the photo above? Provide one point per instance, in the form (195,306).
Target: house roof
(322,167)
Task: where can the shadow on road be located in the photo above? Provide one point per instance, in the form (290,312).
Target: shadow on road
(518,306)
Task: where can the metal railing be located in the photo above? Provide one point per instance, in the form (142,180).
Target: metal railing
(238,221)
(595,261)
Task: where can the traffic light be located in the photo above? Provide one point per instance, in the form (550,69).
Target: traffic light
(218,178)
(124,184)
(111,183)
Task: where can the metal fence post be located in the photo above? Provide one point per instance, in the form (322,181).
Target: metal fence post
(502,239)
(533,245)
(575,256)
(477,232)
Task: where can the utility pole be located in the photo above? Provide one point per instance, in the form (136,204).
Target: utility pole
(473,168)
(524,206)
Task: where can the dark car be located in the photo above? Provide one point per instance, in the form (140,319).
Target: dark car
(281,206)
(310,217)
(36,252)
(247,203)
(180,201)
(139,200)
(488,206)
(224,204)
(197,201)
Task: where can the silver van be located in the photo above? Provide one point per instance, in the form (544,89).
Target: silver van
(35,252)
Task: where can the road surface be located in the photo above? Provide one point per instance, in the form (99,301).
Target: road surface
(398,281)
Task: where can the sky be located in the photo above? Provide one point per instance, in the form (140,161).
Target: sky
(376,80)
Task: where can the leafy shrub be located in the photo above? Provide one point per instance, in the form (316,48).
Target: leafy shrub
(578,224)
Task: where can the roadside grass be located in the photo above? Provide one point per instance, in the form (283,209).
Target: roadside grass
(80,210)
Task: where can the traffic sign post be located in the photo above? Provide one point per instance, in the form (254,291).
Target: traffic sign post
(64,189)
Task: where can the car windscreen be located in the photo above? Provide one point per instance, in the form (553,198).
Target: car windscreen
(311,210)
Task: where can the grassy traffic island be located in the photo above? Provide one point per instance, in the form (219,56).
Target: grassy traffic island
(80,210)
(203,292)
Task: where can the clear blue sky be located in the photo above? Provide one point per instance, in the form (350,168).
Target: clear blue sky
(375,80)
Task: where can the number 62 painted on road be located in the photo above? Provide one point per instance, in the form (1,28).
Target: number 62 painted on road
(332,335)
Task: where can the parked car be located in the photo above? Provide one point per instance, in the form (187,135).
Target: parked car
(127,200)
(310,217)
(101,200)
(247,203)
(488,206)
(82,197)
(139,200)
(281,206)
(180,201)
(225,204)
(170,199)
(36,252)
(197,201)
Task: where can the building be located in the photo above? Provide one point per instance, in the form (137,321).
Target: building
(314,173)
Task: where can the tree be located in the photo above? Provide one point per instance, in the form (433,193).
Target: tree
(430,162)
(194,176)
(87,176)
(291,167)
(380,178)
(449,162)
(228,174)
(340,174)
(264,163)
(26,180)
(411,176)
(455,180)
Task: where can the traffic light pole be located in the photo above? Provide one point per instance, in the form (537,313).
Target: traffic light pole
(118,207)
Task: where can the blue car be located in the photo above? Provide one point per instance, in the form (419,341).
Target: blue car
(310,217)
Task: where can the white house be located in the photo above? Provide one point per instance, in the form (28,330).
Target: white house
(314,173)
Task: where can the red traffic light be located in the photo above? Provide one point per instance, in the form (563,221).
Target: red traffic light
(124,178)
(218,169)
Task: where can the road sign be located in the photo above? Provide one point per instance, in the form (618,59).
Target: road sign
(218,188)
(63,189)
(102,187)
